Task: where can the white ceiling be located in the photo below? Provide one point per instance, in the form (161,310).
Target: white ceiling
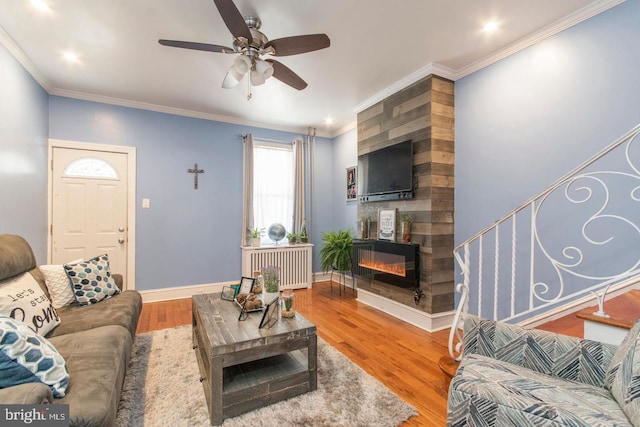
(376,45)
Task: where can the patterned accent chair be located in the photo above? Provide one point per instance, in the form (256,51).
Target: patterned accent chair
(512,376)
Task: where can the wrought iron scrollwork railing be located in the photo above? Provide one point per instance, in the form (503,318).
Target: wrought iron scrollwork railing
(579,236)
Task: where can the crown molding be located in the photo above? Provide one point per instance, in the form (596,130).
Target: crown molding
(23,59)
(433,68)
(577,17)
(568,21)
(15,50)
(344,129)
(179,111)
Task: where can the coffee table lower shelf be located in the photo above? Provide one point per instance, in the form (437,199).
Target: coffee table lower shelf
(259,383)
(263,382)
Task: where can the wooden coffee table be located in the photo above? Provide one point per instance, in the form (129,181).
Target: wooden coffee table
(242,367)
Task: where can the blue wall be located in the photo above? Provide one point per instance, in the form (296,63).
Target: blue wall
(24,125)
(322,205)
(527,120)
(345,154)
(187,236)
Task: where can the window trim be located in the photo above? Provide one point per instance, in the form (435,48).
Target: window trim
(68,168)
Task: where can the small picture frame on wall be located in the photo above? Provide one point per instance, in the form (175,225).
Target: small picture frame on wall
(387,224)
(352,189)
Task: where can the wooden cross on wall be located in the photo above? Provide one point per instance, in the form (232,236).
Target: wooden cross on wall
(195,171)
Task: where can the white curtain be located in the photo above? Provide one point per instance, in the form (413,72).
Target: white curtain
(247,189)
(299,190)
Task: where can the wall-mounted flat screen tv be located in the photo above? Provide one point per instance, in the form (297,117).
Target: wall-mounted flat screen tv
(387,173)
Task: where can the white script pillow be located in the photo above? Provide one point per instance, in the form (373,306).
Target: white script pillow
(22,298)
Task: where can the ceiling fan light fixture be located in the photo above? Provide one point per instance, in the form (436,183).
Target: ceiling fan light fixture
(264,68)
(232,78)
(257,79)
(242,64)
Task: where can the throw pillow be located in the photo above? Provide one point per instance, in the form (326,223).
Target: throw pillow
(23,299)
(26,357)
(58,284)
(623,375)
(91,280)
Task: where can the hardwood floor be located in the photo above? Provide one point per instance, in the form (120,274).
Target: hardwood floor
(401,356)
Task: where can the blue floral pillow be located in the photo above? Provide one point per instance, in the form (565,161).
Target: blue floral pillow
(26,357)
(91,280)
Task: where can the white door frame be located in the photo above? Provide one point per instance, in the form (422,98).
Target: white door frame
(131,197)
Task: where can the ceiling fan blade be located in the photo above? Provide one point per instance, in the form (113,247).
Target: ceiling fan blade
(233,19)
(196,46)
(285,75)
(299,44)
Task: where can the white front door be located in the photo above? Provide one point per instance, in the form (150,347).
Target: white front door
(89,206)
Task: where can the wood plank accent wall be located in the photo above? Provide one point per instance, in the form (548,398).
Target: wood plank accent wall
(424,113)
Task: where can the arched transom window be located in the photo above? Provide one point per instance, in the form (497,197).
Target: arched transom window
(90,167)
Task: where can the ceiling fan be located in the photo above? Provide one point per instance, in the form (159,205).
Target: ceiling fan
(251,45)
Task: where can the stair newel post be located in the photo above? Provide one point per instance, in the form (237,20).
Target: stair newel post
(455,335)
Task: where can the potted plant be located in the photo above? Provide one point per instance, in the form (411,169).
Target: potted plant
(405,226)
(336,252)
(304,237)
(256,235)
(271,288)
(293,238)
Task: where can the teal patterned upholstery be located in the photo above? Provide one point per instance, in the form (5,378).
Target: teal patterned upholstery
(27,357)
(548,353)
(91,280)
(512,376)
(623,375)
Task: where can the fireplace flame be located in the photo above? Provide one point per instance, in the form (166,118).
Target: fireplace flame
(395,269)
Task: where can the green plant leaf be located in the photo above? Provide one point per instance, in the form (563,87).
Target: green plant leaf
(336,252)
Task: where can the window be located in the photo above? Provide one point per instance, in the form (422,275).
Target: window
(272,186)
(90,167)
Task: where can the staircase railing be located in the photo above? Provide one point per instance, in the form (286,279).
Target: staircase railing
(579,236)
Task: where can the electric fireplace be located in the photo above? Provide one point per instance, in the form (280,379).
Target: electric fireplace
(389,262)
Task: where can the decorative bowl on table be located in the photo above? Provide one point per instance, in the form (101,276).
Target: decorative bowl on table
(251,302)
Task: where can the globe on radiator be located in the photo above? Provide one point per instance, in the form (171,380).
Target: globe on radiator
(276,232)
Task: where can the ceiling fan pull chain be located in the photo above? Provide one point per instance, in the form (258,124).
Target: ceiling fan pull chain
(249,89)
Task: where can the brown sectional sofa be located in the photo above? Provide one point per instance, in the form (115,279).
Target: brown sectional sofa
(95,342)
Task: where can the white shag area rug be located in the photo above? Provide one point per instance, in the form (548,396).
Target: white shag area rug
(162,388)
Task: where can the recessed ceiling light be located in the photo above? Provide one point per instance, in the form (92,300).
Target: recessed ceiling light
(70,57)
(490,26)
(41,5)
(328,121)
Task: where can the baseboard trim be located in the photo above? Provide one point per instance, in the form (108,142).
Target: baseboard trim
(428,322)
(180,292)
(337,278)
